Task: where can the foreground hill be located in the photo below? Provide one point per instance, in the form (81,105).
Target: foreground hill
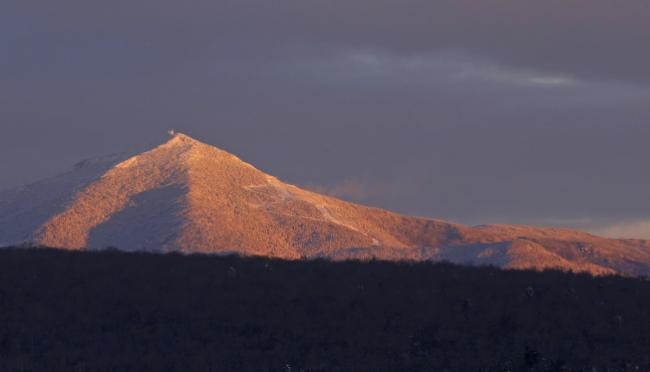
(190,197)
(111,311)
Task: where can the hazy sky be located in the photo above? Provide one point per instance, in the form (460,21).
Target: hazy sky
(474,111)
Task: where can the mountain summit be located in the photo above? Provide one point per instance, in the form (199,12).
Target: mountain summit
(188,196)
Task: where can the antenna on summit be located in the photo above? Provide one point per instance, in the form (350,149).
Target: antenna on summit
(172,132)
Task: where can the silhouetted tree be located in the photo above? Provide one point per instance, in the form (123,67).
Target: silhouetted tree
(115,311)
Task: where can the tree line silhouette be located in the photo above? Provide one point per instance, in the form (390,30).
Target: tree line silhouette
(114,311)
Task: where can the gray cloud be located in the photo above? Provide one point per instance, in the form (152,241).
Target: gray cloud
(639,229)
(595,39)
(491,111)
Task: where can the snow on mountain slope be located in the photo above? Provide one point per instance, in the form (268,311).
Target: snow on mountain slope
(24,209)
(191,197)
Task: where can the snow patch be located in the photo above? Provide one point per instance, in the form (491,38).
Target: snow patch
(281,190)
(127,163)
(328,216)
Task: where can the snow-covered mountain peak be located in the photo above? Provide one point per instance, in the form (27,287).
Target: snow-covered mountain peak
(188,196)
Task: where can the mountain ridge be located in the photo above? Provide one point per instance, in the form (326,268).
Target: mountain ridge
(187,196)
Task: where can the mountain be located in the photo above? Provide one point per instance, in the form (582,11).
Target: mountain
(190,197)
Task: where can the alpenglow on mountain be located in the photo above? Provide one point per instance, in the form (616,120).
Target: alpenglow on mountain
(190,197)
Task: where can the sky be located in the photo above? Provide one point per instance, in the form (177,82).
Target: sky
(492,111)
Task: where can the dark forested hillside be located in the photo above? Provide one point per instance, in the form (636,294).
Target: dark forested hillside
(112,311)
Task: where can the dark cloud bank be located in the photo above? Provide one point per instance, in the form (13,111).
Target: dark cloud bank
(490,111)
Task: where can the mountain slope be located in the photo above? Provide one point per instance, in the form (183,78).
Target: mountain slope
(24,209)
(188,196)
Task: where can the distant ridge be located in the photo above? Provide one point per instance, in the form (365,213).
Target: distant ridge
(187,196)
